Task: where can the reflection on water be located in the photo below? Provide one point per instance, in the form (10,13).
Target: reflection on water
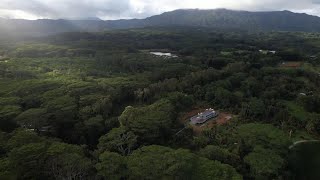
(164,54)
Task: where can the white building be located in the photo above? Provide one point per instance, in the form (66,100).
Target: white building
(204,116)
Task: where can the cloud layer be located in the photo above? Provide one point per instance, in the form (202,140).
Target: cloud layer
(115,9)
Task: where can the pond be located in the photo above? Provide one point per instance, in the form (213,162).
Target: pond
(304,160)
(163,54)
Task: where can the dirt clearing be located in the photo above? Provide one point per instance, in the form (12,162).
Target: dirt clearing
(291,64)
(223,118)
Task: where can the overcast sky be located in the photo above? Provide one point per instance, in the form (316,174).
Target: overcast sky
(115,9)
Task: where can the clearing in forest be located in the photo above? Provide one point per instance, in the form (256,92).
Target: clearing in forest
(291,64)
(222,118)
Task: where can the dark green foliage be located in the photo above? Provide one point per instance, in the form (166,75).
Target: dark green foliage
(310,103)
(94,128)
(206,169)
(68,162)
(33,118)
(5,170)
(22,137)
(255,109)
(264,163)
(264,135)
(313,125)
(219,154)
(290,55)
(29,160)
(118,140)
(181,101)
(112,166)
(151,122)
(156,162)
(97,105)
(224,98)
(31,156)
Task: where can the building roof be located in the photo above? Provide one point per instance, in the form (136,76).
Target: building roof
(207,112)
(203,114)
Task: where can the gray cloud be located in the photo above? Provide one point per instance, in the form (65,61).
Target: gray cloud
(114,9)
(68,8)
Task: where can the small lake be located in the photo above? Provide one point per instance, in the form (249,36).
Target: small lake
(304,160)
(163,54)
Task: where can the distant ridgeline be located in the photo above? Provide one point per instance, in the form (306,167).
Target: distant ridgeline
(218,18)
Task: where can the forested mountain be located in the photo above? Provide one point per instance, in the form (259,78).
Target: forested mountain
(218,18)
(223,18)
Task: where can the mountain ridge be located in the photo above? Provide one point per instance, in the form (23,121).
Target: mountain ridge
(210,18)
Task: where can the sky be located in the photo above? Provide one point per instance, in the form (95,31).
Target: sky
(127,9)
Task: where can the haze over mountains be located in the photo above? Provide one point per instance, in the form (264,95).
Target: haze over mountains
(217,18)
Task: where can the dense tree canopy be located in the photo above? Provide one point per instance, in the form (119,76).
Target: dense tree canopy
(149,123)
(101,106)
(156,162)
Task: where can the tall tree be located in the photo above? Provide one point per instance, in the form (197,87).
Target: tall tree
(112,166)
(150,123)
(118,140)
